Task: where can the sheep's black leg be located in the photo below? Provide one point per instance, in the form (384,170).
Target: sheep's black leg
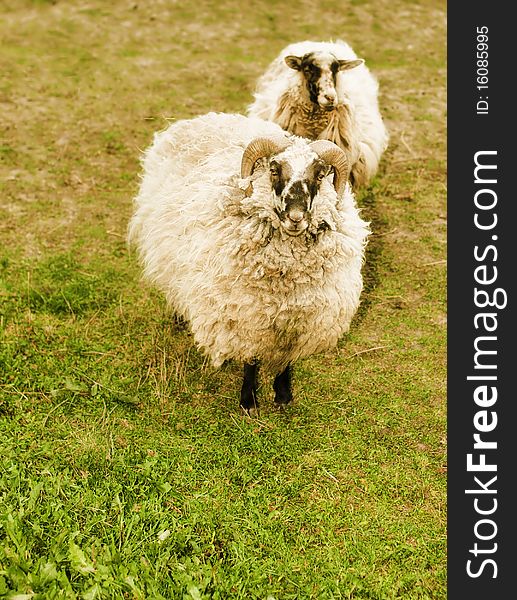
(282,387)
(249,401)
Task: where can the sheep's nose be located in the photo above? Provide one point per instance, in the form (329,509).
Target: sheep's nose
(296,216)
(329,101)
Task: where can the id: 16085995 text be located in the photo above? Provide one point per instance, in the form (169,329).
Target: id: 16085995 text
(482,69)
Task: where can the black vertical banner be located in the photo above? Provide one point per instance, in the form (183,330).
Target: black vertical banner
(482,268)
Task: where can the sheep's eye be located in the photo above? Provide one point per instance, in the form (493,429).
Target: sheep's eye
(274,171)
(320,176)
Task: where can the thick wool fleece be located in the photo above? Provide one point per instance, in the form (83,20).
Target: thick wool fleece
(355,125)
(248,290)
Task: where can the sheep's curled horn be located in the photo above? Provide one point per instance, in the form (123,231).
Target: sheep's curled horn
(267,146)
(334,156)
(259,148)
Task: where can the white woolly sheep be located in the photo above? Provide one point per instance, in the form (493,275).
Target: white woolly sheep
(254,237)
(321,90)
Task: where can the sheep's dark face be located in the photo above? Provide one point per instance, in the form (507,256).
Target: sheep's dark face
(295,186)
(320,70)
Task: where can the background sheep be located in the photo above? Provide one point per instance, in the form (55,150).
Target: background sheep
(252,242)
(321,90)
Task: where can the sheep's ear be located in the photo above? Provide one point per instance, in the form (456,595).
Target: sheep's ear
(344,65)
(249,190)
(294,62)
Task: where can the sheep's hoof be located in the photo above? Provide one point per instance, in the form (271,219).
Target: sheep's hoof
(252,412)
(282,406)
(283,398)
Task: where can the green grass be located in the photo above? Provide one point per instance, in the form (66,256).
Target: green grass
(126,469)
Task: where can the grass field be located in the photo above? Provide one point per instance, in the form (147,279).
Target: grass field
(126,468)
